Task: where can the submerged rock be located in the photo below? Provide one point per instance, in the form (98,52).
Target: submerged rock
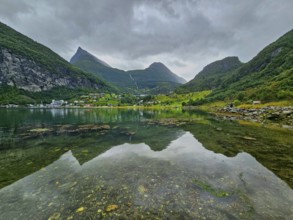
(64,129)
(40,130)
(249,138)
(106,127)
(90,127)
(111,208)
(79,210)
(55,216)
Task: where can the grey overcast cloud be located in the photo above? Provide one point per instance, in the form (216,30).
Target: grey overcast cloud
(185,35)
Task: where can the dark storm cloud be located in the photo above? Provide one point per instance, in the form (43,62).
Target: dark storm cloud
(12,9)
(185,34)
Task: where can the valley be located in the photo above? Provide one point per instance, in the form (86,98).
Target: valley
(83,139)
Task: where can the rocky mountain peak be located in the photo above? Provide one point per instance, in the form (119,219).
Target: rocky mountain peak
(82,54)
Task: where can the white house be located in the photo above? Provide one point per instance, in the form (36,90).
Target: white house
(57,103)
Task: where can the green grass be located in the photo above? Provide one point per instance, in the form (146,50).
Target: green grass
(159,101)
(177,99)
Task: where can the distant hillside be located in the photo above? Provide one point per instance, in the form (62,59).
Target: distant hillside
(156,78)
(157,71)
(211,76)
(157,75)
(267,77)
(32,70)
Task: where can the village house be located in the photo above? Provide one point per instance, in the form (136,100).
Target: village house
(256,102)
(56,103)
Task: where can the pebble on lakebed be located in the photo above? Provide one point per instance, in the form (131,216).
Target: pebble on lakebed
(111,208)
(81,209)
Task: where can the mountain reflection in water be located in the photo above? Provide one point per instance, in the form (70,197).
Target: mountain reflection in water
(182,181)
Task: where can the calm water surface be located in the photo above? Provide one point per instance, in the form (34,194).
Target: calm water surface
(141,164)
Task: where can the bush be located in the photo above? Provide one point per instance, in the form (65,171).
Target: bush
(236,102)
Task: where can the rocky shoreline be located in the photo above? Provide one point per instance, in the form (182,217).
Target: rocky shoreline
(269,114)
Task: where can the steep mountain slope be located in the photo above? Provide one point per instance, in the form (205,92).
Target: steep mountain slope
(211,76)
(267,77)
(156,78)
(87,62)
(31,67)
(83,54)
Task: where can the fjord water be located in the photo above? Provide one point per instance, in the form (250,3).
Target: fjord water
(141,164)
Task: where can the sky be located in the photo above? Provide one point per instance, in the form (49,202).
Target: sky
(185,35)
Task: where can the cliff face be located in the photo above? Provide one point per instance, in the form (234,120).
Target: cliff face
(24,73)
(27,65)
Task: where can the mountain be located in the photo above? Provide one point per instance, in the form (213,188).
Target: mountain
(156,72)
(88,62)
(165,73)
(156,78)
(83,54)
(211,76)
(267,77)
(30,69)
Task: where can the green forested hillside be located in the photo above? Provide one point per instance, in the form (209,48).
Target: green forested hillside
(156,75)
(23,45)
(24,64)
(157,78)
(267,77)
(87,62)
(211,76)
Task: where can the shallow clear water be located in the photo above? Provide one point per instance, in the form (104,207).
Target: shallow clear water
(131,164)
